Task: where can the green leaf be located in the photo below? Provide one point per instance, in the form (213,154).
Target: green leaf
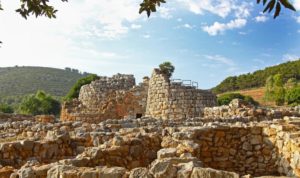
(267,7)
(287,4)
(264,2)
(272,3)
(277,11)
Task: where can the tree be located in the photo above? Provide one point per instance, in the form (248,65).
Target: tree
(269,89)
(74,92)
(167,68)
(279,90)
(39,103)
(293,96)
(275,90)
(291,83)
(258,78)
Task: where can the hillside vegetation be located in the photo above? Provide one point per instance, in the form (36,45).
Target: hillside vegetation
(256,93)
(16,82)
(258,78)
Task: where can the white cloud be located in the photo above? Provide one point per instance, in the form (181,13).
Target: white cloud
(220,59)
(256,60)
(165,12)
(188,26)
(290,57)
(70,39)
(146,36)
(219,28)
(221,8)
(242,10)
(261,18)
(136,26)
(297,4)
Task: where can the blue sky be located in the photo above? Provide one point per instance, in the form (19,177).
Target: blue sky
(206,40)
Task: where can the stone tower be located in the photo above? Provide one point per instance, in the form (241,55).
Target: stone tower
(170,100)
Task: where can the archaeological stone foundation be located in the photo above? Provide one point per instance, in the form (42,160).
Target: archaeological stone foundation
(157,129)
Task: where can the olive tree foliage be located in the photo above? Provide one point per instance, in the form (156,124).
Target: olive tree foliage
(36,7)
(42,7)
(150,6)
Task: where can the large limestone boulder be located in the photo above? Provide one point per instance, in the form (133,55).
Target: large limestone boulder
(163,169)
(114,172)
(166,152)
(212,173)
(6,172)
(140,173)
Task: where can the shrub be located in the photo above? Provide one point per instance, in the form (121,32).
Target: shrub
(227,98)
(5,108)
(74,92)
(293,96)
(39,103)
(167,68)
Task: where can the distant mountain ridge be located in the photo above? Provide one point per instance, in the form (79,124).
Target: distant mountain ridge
(20,81)
(258,78)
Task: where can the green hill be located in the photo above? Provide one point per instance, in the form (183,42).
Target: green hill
(15,82)
(258,78)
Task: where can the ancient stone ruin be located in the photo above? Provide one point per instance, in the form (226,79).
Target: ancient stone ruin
(157,129)
(173,100)
(118,97)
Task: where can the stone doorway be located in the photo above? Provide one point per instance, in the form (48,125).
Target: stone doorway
(138,115)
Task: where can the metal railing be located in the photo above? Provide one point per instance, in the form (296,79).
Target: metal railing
(187,83)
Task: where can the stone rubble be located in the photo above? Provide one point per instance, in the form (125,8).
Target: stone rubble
(154,148)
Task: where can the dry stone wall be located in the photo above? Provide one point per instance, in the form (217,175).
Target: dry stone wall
(168,100)
(258,150)
(95,94)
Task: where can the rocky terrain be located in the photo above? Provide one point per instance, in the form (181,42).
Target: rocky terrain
(238,140)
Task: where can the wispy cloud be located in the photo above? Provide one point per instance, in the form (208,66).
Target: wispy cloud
(290,57)
(186,26)
(243,33)
(146,36)
(165,12)
(220,59)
